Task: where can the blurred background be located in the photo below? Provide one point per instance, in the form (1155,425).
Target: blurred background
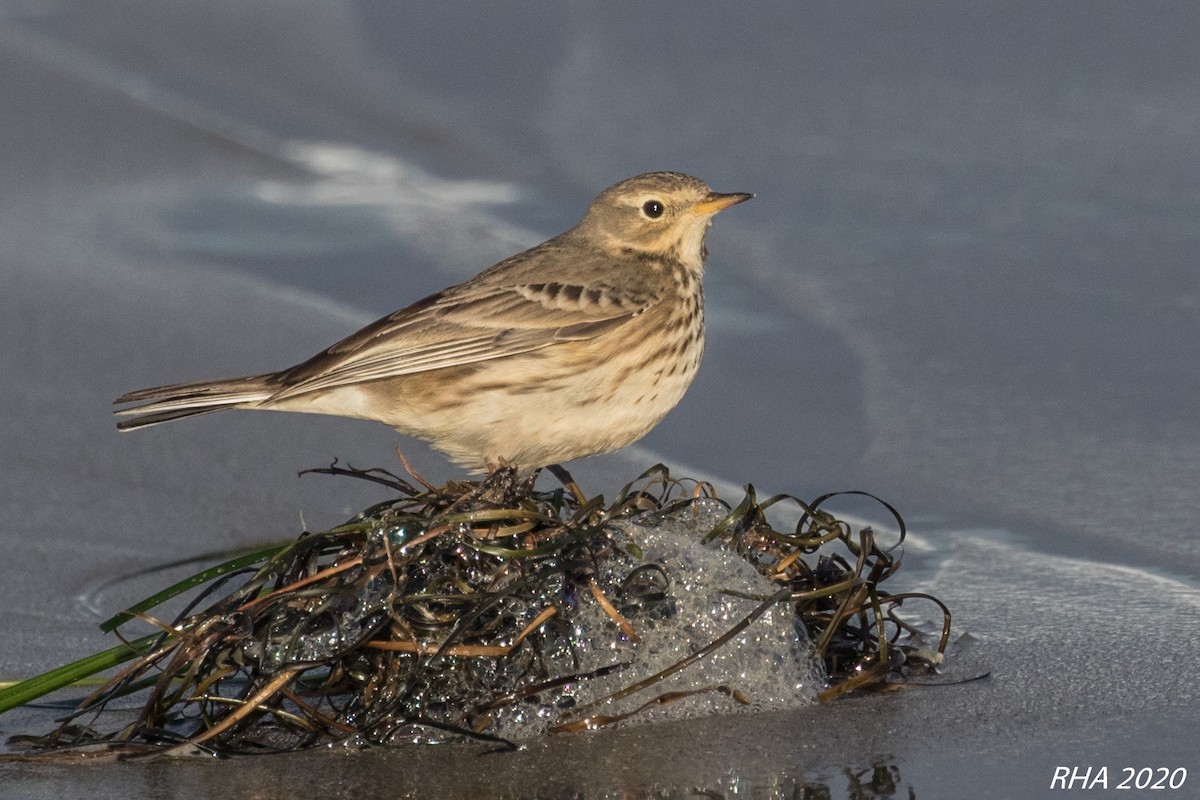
(968,283)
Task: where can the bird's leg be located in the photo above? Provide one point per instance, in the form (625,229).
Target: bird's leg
(505,483)
(499,485)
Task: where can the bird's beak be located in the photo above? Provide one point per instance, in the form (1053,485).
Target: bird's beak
(719,202)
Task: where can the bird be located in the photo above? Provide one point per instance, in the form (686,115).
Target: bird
(575,347)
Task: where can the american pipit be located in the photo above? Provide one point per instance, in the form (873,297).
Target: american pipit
(577,346)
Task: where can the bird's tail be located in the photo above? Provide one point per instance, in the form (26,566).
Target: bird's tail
(166,403)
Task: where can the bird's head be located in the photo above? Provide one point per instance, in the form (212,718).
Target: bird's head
(660,214)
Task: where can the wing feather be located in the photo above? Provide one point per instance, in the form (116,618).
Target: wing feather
(466,325)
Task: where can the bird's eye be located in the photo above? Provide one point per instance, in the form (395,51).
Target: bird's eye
(652,209)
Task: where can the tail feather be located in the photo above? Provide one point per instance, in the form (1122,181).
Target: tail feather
(154,418)
(165,403)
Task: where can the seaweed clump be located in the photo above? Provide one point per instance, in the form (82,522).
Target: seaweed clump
(457,611)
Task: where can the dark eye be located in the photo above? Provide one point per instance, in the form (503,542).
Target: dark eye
(652,209)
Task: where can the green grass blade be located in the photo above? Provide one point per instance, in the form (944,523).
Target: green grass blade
(31,689)
(199,579)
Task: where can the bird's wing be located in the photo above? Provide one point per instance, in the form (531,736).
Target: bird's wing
(465,325)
